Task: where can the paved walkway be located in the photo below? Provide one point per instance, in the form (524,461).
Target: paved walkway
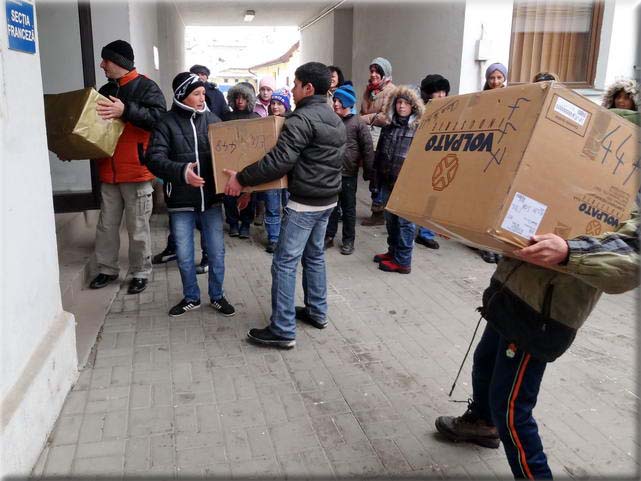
(189,396)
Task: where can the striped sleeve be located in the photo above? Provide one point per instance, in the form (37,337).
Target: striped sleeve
(609,262)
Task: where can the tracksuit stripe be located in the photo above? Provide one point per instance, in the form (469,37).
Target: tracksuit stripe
(516,385)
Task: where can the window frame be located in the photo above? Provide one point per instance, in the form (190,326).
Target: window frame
(594,43)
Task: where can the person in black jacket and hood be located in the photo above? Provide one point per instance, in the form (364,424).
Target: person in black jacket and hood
(310,152)
(179,153)
(359,151)
(242,100)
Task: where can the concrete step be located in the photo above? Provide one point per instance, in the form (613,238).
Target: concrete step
(76,234)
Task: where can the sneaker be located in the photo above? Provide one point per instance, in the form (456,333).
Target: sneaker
(329,242)
(391,266)
(267,338)
(137,285)
(224,307)
(429,243)
(468,428)
(377,218)
(203,267)
(233,231)
(244,232)
(167,255)
(183,306)
(302,315)
(387,256)
(271,247)
(101,280)
(347,249)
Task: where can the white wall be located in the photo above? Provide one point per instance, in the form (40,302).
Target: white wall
(317,41)
(619,45)
(417,39)
(109,22)
(494,18)
(37,338)
(171,45)
(143,20)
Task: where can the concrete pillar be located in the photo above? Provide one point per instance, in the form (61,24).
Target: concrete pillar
(37,338)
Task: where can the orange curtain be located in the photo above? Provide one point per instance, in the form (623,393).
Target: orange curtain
(553,37)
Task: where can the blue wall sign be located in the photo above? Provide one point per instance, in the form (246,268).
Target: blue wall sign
(21,26)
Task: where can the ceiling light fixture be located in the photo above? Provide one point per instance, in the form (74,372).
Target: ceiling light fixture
(249,15)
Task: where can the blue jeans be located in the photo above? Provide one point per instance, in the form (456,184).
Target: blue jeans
(425,233)
(171,243)
(233,217)
(272,199)
(378,199)
(302,236)
(182,226)
(505,390)
(400,234)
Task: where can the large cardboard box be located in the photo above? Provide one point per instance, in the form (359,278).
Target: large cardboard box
(492,169)
(239,143)
(75,131)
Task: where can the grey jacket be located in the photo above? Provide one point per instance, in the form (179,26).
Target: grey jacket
(540,309)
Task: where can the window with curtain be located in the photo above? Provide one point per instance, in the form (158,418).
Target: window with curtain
(559,37)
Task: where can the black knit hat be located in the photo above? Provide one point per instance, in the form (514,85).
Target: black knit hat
(197,69)
(185,83)
(434,83)
(120,53)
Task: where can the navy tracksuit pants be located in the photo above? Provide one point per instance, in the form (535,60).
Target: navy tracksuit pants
(505,383)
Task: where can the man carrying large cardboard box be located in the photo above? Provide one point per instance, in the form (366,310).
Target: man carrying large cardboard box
(310,151)
(125,182)
(534,306)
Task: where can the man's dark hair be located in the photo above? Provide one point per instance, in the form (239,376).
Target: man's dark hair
(339,72)
(317,74)
(198,69)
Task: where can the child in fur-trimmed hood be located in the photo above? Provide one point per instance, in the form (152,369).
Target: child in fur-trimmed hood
(403,110)
(242,100)
(622,94)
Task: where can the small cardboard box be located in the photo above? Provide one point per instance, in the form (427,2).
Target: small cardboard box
(492,169)
(239,143)
(75,131)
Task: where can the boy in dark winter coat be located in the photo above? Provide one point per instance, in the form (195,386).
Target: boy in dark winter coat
(432,87)
(179,153)
(242,100)
(310,151)
(359,150)
(403,110)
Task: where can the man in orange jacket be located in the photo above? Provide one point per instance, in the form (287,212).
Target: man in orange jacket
(125,182)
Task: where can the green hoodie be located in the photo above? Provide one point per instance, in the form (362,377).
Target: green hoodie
(541,309)
(631,115)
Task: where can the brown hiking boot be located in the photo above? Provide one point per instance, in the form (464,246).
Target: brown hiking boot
(377,218)
(468,428)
